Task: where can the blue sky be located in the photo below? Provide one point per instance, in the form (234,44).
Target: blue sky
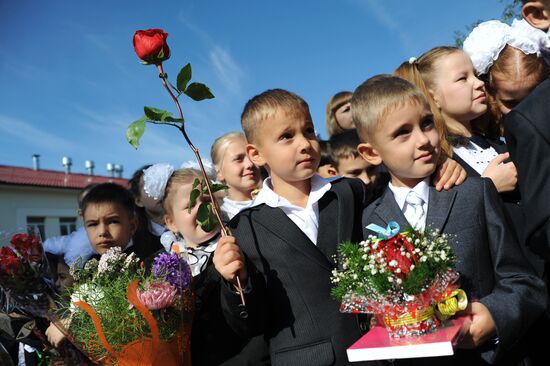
(70,82)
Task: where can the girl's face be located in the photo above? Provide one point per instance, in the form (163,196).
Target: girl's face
(456,90)
(238,172)
(343,117)
(179,219)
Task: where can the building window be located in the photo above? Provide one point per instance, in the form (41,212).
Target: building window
(39,223)
(67,225)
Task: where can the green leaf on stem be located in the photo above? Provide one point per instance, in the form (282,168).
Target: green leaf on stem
(215,187)
(156,114)
(205,217)
(198,91)
(195,193)
(184,77)
(172,119)
(135,131)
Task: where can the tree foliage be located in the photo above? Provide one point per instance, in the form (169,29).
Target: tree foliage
(512,10)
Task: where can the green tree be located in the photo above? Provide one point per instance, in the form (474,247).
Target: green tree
(512,9)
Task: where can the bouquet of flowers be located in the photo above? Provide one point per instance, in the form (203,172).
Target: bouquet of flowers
(24,272)
(406,279)
(121,314)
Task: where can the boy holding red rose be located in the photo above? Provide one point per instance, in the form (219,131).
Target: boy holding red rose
(396,127)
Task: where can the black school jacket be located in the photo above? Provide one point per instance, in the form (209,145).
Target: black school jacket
(290,299)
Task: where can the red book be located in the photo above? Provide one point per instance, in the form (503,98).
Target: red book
(377,345)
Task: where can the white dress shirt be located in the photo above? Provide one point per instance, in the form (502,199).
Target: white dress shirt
(307,218)
(415,217)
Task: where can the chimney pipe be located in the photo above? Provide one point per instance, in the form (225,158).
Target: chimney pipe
(118,170)
(110,169)
(89,164)
(36,162)
(67,162)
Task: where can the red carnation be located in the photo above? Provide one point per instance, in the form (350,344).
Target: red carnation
(150,46)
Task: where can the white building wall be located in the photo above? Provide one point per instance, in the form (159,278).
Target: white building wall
(19,202)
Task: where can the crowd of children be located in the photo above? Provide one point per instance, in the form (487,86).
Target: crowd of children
(456,140)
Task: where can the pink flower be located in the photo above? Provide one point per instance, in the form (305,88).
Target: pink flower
(158,295)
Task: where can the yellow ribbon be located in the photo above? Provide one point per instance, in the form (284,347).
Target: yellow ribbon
(456,301)
(408,318)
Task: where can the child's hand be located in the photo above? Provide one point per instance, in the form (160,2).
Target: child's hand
(449,174)
(481,329)
(55,336)
(503,175)
(229,261)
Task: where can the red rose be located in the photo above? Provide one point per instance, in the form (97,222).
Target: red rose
(396,259)
(9,261)
(150,45)
(27,245)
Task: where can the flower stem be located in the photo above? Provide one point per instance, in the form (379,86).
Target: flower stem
(215,206)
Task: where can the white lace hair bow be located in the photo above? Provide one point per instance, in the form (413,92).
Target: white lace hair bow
(155,179)
(488,39)
(208,167)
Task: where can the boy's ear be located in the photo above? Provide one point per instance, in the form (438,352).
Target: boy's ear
(332,171)
(369,153)
(255,155)
(536,14)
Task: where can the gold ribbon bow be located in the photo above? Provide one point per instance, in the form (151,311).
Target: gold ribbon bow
(450,305)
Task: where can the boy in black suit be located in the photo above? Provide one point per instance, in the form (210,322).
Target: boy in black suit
(289,237)
(396,126)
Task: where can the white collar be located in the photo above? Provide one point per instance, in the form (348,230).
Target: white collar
(157,229)
(319,186)
(400,193)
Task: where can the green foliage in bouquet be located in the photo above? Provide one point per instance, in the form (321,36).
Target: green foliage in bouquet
(405,263)
(104,285)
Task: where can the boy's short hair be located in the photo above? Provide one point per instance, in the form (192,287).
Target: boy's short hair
(344,145)
(326,157)
(110,193)
(265,105)
(380,95)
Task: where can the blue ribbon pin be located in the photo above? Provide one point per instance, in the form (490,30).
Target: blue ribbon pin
(390,231)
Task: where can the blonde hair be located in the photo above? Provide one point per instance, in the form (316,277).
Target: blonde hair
(220,145)
(421,72)
(334,103)
(265,105)
(511,64)
(377,97)
(178,178)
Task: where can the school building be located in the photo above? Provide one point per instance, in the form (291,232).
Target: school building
(46,199)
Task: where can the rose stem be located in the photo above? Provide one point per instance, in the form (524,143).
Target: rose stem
(216,209)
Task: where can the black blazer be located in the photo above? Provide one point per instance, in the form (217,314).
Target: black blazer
(513,210)
(492,267)
(527,132)
(290,276)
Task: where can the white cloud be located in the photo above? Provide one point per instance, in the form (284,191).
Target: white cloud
(384,17)
(227,70)
(26,132)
